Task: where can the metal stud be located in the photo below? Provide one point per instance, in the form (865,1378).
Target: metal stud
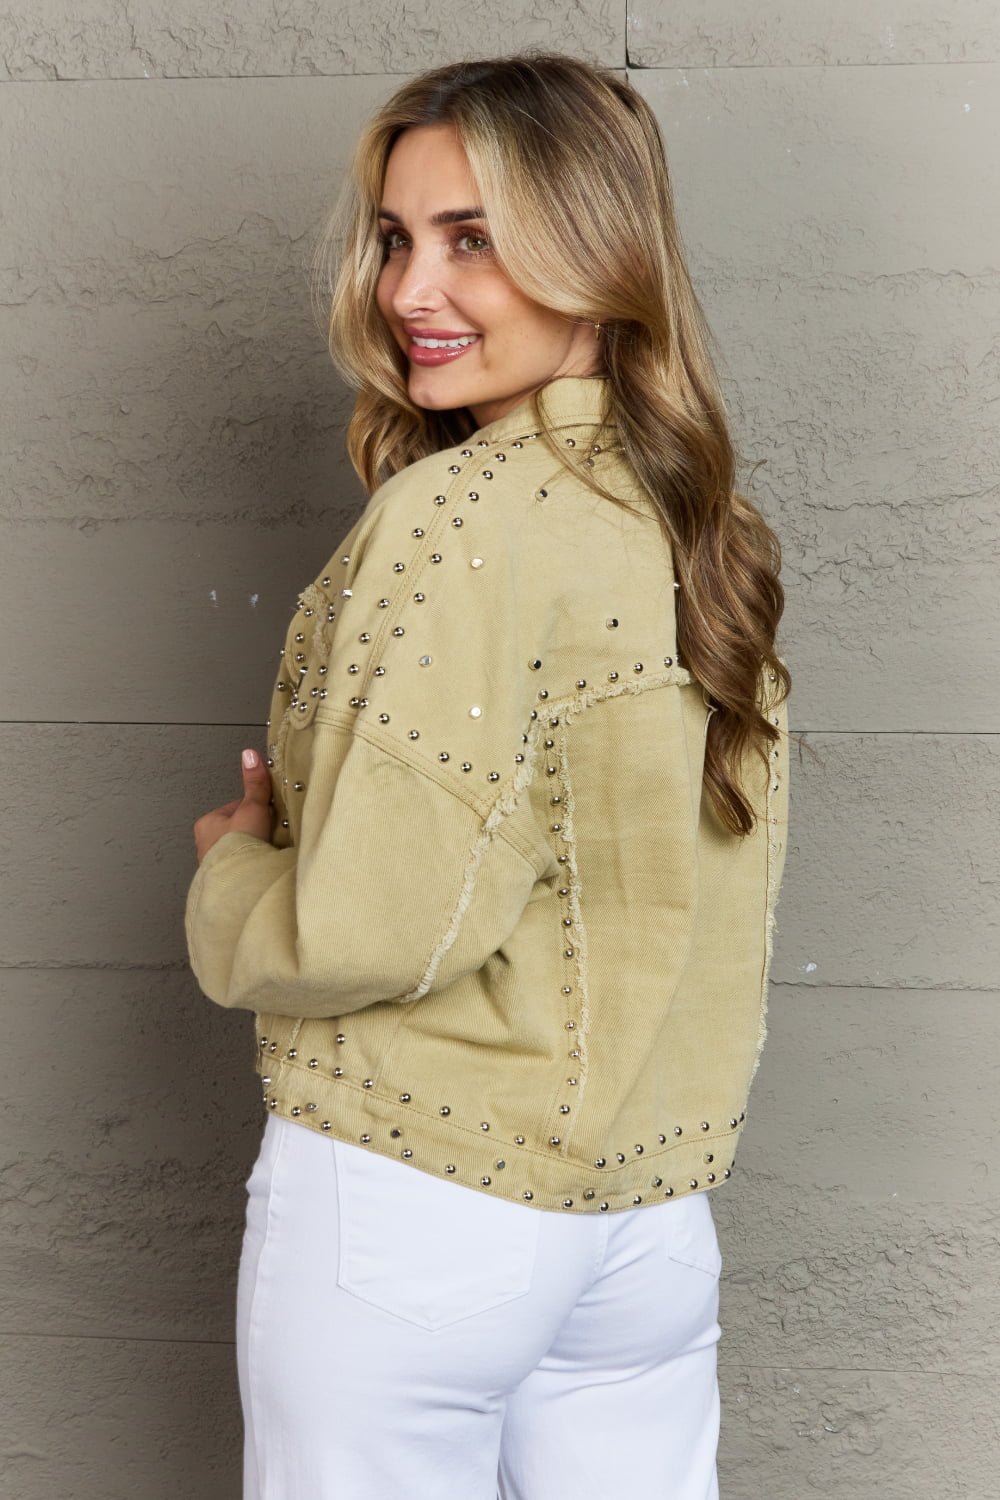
(449,1167)
(407,1153)
(404,1098)
(475,712)
(444,1110)
(476,562)
(639,1150)
(604,1208)
(567,1203)
(668,661)
(534,665)
(637,667)
(473,495)
(485,1181)
(395,1134)
(611,623)
(454,469)
(369,1083)
(519,1140)
(399,630)
(619,1156)
(527,1194)
(612,676)
(466,452)
(466,765)
(484,1126)
(582,683)
(493,776)
(678,1130)
(383,718)
(419,598)
(705,1125)
(418,531)
(414,734)
(365,1139)
(326,1125)
(435,557)
(553,1140)
(500,1165)
(487,473)
(425,661)
(383,604)
(341,1037)
(694,1182)
(456,520)
(564,1109)
(399,567)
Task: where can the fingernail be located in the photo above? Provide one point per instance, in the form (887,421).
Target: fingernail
(249,759)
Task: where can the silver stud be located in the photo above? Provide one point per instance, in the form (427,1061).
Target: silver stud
(487,473)
(571,1025)
(476,562)
(449,1168)
(534,665)
(711,1177)
(341,1037)
(324,669)
(454,469)
(567,989)
(657,1181)
(419,598)
(705,1125)
(493,776)
(475,712)
(326,582)
(619,1156)
(484,1126)
(611,623)
(604,1208)
(637,1198)
(326,1125)
(733,1124)
(399,567)
(527,1195)
(726,1173)
(543,692)
(347,593)
(543,494)
(637,667)
(383,604)
(404,1098)
(589,1193)
(612,676)
(466,452)
(582,683)
(466,765)
(365,1139)
(669,1193)
(444,1110)
(338,1072)
(668,661)
(383,718)
(500,1165)
(567,1203)
(407,1153)
(369,1083)
(440,499)
(553,1140)
(414,734)
(519,1140)
(564,1109)
(456,520)
(571,442)
(485,1181)
(399,630)
(435,557)
(425,661)
(300,636)
(662,1139)
(418,531)
(265,1081)
(443,755)
(519,758)
(678,1130)
(473,495)
(639,1150)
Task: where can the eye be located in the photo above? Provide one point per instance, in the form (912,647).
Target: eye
(473,243)
(390,238)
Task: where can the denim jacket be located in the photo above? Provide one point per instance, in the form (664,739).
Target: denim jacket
(500,933)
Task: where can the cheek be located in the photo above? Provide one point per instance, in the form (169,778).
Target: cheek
(384,291)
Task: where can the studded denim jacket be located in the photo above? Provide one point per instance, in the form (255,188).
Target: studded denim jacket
(500,933)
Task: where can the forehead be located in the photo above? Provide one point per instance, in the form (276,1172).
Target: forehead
(428,171)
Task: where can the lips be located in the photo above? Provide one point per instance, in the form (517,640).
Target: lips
(439,346)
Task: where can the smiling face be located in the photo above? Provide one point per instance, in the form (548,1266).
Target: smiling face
(471,338)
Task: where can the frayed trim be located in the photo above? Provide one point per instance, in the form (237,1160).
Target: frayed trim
(503,807)
(576,915)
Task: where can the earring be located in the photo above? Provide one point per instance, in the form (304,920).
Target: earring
(597,330)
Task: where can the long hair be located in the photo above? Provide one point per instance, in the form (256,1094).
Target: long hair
(573,178)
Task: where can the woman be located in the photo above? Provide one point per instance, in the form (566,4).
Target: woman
(502,896)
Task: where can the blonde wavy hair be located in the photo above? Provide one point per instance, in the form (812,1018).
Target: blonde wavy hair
(573,178)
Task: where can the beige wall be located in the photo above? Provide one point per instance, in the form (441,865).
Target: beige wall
(173,473)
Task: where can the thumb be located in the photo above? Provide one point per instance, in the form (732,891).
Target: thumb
(256,778)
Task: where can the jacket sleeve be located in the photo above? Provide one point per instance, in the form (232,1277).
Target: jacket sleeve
(416,849)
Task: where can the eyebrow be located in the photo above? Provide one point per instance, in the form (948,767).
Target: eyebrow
(446,216)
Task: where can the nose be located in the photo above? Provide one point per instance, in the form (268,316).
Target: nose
(421,281)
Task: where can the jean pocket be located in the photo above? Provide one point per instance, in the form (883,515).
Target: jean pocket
(428,1251)
(691,1236)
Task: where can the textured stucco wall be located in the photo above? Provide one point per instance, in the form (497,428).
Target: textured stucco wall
(173,472)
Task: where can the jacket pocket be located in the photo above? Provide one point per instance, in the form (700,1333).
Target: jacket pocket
(691,1236)
(428,1251)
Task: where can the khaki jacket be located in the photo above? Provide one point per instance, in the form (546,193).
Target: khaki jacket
(500,933)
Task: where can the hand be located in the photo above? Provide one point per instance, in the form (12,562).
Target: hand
(251,813)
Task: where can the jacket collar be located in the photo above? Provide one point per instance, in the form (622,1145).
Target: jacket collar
(569,401)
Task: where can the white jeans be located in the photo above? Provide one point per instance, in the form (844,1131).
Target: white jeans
(406,1338)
